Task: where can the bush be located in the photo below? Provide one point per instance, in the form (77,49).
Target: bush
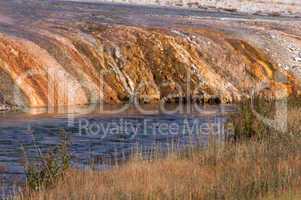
(49,168)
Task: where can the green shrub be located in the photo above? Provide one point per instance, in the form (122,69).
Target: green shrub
(49,168)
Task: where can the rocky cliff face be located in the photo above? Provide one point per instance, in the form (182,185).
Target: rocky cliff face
(74,54)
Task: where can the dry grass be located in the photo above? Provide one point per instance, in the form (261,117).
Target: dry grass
(268,168)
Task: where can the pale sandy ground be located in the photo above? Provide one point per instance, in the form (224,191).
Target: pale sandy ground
(271,7)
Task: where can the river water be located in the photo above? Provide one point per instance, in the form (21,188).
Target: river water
(101,135)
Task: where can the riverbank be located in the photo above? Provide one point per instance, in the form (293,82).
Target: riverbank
(260,167)
(4,108)
(252,170)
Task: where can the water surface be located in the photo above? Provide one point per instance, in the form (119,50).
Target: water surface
(101,136)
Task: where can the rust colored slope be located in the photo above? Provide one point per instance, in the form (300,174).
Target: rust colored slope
(263,70)
(149,64)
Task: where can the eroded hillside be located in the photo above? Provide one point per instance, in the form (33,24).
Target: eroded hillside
(58,53)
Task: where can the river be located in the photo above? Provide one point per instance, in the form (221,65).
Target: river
(100,136)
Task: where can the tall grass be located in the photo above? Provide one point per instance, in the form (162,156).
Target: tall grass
(265,167)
